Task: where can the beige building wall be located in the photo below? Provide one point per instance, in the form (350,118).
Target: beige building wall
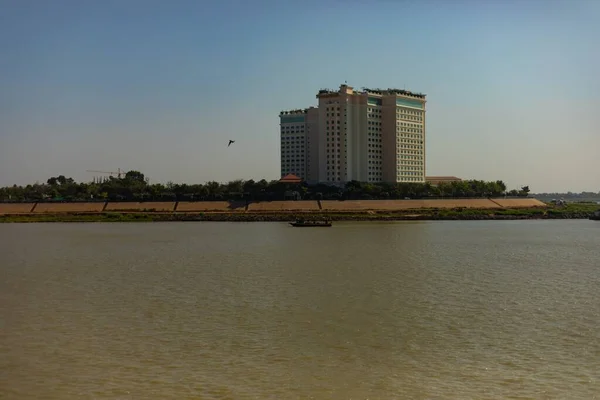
(322,139)
(312,145)
(373,131)
(345,136)
(332,137)
(355,122)
(390,141)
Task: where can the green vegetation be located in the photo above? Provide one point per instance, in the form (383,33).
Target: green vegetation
(135,187)
(571,211)
(571,195)
(97,217)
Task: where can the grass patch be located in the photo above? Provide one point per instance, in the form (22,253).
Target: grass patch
(100,217)
(570,211)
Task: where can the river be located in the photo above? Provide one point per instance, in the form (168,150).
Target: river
(413,310)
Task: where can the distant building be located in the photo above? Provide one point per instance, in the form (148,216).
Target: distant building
(436,180)
(371,135)
(298,129)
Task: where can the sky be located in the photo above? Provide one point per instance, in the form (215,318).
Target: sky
(513,87)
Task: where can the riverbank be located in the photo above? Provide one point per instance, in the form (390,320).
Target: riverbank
(571,211)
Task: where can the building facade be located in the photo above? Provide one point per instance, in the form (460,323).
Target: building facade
(298,130)
(370,135)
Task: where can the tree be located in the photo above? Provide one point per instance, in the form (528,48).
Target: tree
(235,187)
(134,187)
(501,186)
(135,176)
(214,189)
(524,191)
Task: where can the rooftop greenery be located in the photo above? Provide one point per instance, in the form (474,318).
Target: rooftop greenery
(377,91)
(296,111)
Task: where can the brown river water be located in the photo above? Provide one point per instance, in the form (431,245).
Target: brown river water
(413,310)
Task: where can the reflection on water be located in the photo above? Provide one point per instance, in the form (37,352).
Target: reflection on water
(449,310)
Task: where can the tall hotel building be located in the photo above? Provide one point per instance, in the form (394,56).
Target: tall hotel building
(370,136)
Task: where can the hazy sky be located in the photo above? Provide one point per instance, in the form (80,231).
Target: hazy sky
(513,87)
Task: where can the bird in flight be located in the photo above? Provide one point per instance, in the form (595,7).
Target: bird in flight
(230,142)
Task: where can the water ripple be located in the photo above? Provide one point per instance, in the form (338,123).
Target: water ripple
(444,310)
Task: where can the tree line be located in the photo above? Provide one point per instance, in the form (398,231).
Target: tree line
(135,187)
(570,195)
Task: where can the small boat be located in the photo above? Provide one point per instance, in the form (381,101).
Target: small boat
(595,216)
(300,223)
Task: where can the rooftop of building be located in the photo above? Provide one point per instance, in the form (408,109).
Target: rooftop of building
(379,92)
(295,111)
(393,91)
(290,178)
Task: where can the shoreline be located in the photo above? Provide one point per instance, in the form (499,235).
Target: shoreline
(284,216)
